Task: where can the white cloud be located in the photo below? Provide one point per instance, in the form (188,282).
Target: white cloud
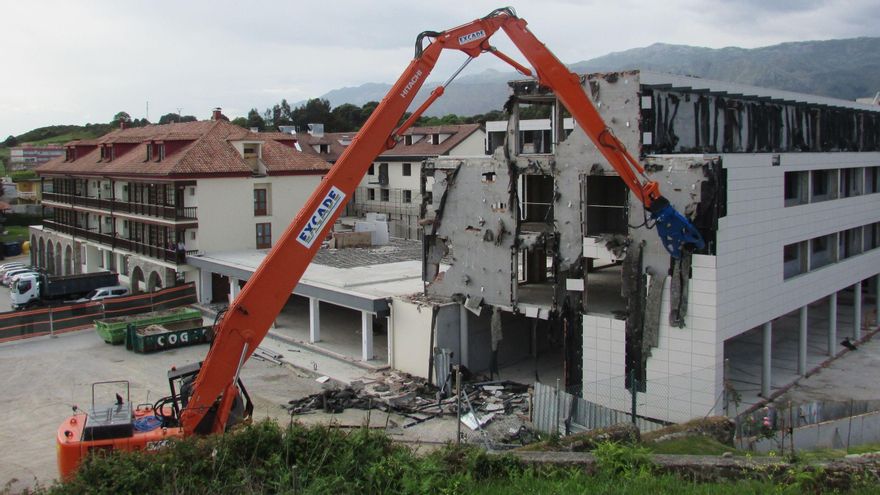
(73,62)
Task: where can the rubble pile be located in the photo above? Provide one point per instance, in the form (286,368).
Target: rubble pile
(418,400)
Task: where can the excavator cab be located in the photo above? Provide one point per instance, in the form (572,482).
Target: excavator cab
(180,381)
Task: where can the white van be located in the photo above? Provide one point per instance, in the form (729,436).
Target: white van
(102,293)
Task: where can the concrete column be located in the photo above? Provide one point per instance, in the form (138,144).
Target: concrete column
(832,324)
(206,286)
(463,334)
(767,360)
(314,320)
(233,289)
(366,336)
(389,335)
(802,342)
(857,311)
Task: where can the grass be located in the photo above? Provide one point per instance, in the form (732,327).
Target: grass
(66,137)
(831,454)
(268,458)
(14,233)
(691,445)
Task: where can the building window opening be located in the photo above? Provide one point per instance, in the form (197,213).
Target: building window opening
(536,194)
(264,235)
(260,202)
(796,188)
(824,185)
(851,182)
(794,259)
(536,135)
(822,251)
(605,199)
(383,174)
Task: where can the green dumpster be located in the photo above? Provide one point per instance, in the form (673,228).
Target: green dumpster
(160,337)
(113,330)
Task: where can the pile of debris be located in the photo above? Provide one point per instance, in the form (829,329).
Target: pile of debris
(418,400)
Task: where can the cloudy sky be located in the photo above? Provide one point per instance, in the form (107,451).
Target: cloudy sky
(75,62)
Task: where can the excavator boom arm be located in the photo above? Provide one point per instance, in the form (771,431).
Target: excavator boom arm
(250,316)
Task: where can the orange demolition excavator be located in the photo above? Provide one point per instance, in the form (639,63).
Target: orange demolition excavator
(208,397)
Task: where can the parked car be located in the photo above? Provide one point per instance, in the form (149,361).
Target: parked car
(10,266)
(6,266)
(7,277)
(102,293)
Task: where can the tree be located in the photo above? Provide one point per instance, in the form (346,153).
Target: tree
(315,111)
(10,142)
(367,109)
(255,120)
(121,117)
(347,117)
(169,118)
(240,121)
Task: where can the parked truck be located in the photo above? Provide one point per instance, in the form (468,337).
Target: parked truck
(38,288)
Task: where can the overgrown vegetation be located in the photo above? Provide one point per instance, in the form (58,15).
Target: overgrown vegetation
(14,233)
(267,458)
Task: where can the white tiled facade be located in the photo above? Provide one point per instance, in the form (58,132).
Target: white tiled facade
(740,288)
(751,288)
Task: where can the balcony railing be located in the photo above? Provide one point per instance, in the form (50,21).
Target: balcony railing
(159,211)
(161,253)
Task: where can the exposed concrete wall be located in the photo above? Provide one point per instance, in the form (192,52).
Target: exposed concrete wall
(472,202)
(476,220)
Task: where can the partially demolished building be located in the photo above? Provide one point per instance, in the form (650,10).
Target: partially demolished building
(538,253)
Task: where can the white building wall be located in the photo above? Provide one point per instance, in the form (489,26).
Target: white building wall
(226,209)
(685,371)
(473,145)
(411,337)
(751,288)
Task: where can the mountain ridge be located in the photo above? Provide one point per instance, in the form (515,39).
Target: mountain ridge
(838,68)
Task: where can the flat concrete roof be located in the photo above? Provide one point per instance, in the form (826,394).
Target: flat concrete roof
(365,287)
(397,250)
(698,84)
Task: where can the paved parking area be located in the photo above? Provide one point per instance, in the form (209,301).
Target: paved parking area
(43,377)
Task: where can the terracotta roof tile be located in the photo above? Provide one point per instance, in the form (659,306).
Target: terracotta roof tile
(204,148)
(421,148)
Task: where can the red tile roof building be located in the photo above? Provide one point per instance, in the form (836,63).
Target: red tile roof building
(140,200)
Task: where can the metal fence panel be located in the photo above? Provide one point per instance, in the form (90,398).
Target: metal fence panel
(16,325)
(557,411)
